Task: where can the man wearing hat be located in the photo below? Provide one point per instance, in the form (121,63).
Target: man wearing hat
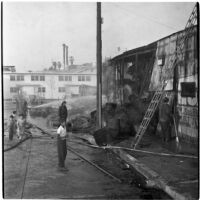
(63,112)
(165,115)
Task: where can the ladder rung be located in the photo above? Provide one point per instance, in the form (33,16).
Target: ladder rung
(146,118)
(148,114)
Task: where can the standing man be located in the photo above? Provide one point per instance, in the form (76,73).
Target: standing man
(11,127)
(63,113)
(21,105)
(61,138)
(62,146)
(21,126)
(25,109)
(165,116)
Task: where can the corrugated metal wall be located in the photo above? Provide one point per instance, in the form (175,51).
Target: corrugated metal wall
(187,107)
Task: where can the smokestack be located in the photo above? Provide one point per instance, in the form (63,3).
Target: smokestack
(64,55)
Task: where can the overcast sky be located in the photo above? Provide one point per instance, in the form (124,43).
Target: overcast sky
(33,32)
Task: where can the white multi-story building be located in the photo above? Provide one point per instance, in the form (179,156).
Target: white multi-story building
(49,84)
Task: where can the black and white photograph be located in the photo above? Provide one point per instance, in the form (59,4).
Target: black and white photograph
(100,100)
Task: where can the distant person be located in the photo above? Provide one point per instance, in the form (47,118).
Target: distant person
(21,105)
(14,114)
(165,118)
(12,127)
(25,109)
(152,128)
(20,126)
(62,146)
(63,113)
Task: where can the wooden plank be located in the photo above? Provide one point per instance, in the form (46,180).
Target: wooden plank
(152,178)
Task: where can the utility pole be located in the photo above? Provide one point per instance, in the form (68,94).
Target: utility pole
(99,67)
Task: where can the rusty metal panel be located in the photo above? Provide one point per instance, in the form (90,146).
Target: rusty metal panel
(188,111)
(188,123)
(186,60)
(166,49)
(187,64)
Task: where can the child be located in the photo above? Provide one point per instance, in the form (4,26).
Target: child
(20,126)
(12,127)
(62,146)
(14,114)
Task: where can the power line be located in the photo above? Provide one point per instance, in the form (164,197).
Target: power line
(141,16)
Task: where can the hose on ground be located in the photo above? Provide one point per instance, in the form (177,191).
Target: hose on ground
(17,144)
(111,147)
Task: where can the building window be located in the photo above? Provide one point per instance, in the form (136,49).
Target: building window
(34,78)
(12,78)
(81,78)
(68,78)
(20,78)
(42,78)
(61,89)
(13,89)
(41,89)
(188,89)
(88,78)
(61,78)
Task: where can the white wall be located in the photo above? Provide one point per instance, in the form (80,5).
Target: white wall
(51,84)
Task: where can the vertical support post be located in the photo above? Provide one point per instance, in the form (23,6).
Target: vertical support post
(115,74)
(99,67)
(136,62)
(120,76)
(122,81)
(136,67)
(118,82)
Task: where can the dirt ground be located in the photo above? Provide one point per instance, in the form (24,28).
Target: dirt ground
(43,180)
(30,171)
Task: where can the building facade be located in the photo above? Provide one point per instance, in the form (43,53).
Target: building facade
(48,84)
(142,70)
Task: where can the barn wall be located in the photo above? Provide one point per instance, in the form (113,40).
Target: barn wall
(187,107)
(165,52)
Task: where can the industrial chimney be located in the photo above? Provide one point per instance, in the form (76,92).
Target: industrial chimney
(64,55)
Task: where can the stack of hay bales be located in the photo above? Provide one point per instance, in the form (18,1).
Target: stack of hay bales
(126,126)
(107,134)
(80,123)
(41,111)
(120,121)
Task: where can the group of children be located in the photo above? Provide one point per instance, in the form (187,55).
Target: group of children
(16,125)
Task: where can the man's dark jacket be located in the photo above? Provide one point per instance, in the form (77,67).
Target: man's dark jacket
(63,113)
